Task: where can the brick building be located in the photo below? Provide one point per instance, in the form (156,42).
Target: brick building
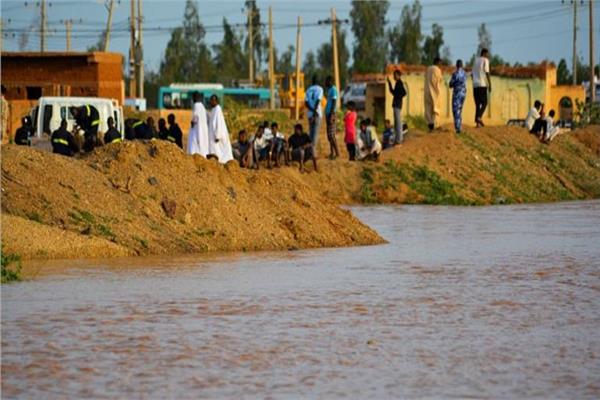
(30,75)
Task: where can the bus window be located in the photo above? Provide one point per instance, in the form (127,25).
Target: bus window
(47,116)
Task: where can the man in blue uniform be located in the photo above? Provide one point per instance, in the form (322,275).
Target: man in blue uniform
(458,83)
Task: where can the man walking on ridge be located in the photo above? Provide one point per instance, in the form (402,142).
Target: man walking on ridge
(481,84)
(433,82)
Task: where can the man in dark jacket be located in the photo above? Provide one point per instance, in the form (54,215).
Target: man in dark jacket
(24,133)
(112,135)
(398,91)
(62,141)
(174,134)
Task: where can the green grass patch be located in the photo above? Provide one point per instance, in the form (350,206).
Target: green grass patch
(11,267)
(104,230)
(34,216)
(82,216)
(367,195)
(433,188)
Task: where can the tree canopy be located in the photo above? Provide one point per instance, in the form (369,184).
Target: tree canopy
(368,26)
(405,38)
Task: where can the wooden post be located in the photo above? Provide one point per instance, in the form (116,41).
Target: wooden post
(140,54)
(68,26)
(132,66)
(43,26)
(575,42)
(592,59)
(109,24)
(336,67)
(250,47)
(298,46)
(271,62)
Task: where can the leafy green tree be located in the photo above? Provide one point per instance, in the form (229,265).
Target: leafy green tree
(405,38)
(325,57)
(285,64)
(368,26)
(230,61)
(563,75)
(310,68)
(187,56)
(485,42)
(433,45)
(485,39)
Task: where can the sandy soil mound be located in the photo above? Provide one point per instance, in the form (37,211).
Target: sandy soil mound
(151,198)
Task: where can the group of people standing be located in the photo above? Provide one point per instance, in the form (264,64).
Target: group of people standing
(208,135)
(482,85)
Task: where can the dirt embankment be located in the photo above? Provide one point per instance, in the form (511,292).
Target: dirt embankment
(150,198)
(481,166)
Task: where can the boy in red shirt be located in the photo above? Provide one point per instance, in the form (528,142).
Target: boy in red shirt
(350,129)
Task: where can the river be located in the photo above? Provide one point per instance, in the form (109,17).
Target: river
(500,302)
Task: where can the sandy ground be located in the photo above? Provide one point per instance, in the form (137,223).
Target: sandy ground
(150,198)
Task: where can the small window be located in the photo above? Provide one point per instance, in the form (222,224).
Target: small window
(33,92)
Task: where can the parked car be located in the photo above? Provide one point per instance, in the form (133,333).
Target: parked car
(355,92)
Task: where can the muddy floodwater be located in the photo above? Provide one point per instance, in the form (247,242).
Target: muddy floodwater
(500,302)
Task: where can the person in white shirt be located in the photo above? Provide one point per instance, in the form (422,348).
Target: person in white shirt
(551,129)
(278,145)
(219,143)
(481,84)
(198,134)
(312,100)
(262,147)
(533,114)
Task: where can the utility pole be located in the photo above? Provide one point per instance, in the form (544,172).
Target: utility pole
(43,26)
(140,54)
(574,41)
(336,67)
(271,62)
(68,27)
(250,47)
(132,67)
(110,7)
(297,94)
(592,59)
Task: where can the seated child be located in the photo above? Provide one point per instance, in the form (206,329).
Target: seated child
(242,150)
(368,145)
(301,147)
(388,135)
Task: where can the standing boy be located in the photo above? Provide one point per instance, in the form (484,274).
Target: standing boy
(398,91)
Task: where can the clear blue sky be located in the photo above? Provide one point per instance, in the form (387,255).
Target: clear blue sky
(522,30)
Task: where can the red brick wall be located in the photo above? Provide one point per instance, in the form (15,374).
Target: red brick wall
(75,74)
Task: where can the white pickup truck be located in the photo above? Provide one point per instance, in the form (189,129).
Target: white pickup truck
(46,116)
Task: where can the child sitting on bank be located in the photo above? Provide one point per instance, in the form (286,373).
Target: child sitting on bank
(388,135)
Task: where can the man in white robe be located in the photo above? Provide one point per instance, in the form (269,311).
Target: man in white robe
(198,134)
(219,143)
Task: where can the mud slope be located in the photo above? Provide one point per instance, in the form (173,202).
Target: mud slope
(481,166)
(150,198)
